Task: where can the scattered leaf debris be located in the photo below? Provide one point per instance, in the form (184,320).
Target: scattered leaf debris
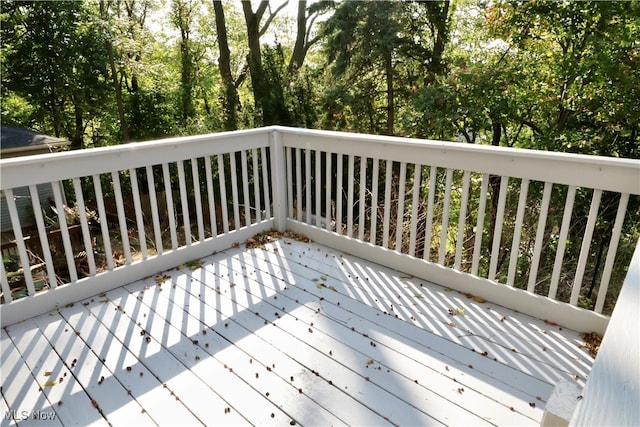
(592,342)
(161,278)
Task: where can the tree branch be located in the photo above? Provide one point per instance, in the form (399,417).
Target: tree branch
(263,6)
(272,15)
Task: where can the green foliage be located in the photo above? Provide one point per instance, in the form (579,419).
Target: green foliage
(57,64)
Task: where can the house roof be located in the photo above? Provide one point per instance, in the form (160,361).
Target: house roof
(20,140)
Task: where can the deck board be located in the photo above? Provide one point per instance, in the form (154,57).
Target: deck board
(290,332)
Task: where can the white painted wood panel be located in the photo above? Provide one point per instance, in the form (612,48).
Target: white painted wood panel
(122,223)
(612,392)
(195,178)
(233,171)
(153,201)
(44,241)
(86,236)
(399,227)
(433,175)
(477,244)
(135,194)
(223,194)
(104,226)
(537,248)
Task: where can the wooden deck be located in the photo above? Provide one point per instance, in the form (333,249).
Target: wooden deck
(289,333)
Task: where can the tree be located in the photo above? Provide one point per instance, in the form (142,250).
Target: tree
(182,16)
(231,101)
(262,91)
(370,41)
(58,64)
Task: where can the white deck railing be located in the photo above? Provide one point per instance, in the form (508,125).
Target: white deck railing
(450,213)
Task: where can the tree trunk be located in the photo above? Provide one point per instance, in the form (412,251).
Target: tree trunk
(390,95)
(124,130)
(231,100)
(77,142)
(260,93)
(299,49)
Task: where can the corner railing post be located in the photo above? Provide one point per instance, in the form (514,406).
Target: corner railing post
(278,180)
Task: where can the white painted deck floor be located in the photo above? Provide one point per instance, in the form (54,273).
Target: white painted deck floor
(292,333)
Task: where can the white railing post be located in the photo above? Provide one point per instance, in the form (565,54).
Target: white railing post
(278,180)
(612,391)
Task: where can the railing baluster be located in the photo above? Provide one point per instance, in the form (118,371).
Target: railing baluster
(17,234)
(122,220)
(537,246)
(64,230)
(246,197)
(265,182)
(138,209)
(363,187)
(211,196)
(307,185)
(517,232)
(327,190)
(417,177)
(445,217)
(497,231)
(386,219)
(611,253)
(433,174)
(256,184)
(234,190)
(290,183)
(586,245)
(374,199)
(170,209)
(400,214)
(198,198)
(298,184)
(84,225)
(104,223)
(184,202)
(4,283)
(564,231)
(339,195)
(350,178)
(153,201)
(457,265)
(42,232)
(318,178)
(223,193)
(477,244)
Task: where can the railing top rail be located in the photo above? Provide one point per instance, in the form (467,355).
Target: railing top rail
(606,173)
(55,166)
(599,172)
